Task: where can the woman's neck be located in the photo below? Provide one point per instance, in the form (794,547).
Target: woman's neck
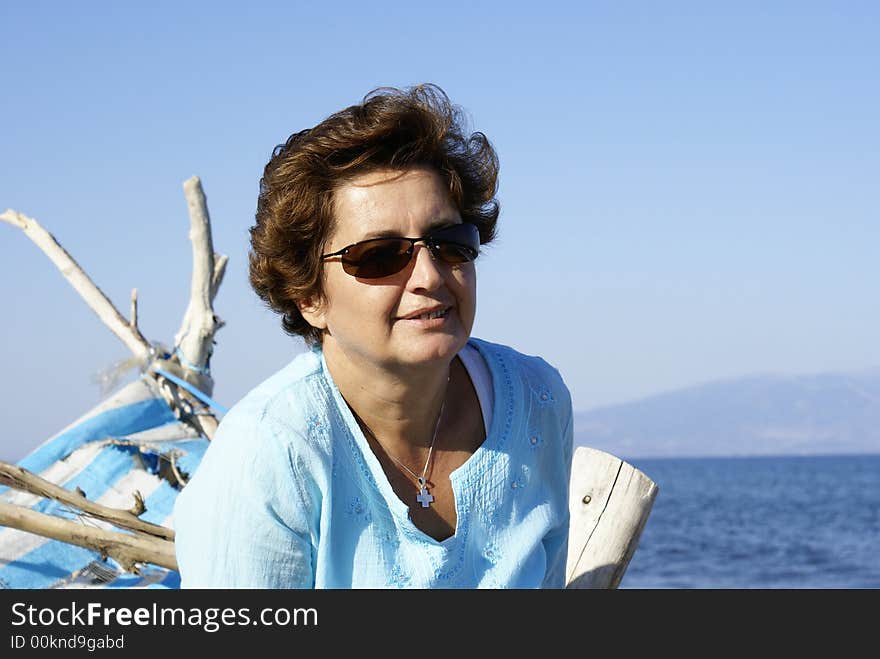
(399,405)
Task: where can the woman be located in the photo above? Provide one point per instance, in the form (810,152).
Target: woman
(398,451)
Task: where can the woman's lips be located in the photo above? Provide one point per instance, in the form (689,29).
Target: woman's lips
(435,318)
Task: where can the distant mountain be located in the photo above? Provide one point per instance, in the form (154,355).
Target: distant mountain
(763,415)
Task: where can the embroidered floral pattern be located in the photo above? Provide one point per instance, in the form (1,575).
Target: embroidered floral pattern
(398,577)
(357,508)
(390,539)
(521,480)
(492,553)
(315,422)
(543,394)
(535,440)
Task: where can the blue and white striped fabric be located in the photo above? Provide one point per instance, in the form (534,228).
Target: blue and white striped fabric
(109,453)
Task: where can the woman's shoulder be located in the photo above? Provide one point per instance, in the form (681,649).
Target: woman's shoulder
(534,368)
(258,476)
(278,410)
(279,396)
(267,431)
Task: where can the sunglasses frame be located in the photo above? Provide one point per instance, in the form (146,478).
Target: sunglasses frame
(432,242)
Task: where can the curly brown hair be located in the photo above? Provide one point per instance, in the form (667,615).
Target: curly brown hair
(390,129)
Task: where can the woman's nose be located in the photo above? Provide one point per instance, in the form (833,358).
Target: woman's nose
(425,273)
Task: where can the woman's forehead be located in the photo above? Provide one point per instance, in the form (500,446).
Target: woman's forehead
(391,203)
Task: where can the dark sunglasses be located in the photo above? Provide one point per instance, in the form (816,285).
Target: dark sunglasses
(381,257)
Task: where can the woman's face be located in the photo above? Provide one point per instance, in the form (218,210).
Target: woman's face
(374,320)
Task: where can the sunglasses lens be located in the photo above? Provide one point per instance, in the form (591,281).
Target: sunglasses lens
(378,258)
(452,253)
(459,243)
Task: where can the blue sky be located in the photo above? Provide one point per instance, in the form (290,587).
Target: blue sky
(688,189)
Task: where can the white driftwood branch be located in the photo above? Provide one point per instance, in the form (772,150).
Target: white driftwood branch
(220,261)
(196,335)
(21,479)
(182,402)
(126,549)
(206,424)
(133,316)
(93,296)
(609,501)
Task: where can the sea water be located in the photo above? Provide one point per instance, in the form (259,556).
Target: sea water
(760,522)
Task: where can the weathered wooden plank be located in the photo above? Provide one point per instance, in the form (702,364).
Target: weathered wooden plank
(610,501)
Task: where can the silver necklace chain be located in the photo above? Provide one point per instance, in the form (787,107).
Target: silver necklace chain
(424,497)
(421,478)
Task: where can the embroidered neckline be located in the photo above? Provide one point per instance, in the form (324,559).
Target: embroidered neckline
(482,460)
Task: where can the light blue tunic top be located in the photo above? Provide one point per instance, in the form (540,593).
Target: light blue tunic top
(290,495)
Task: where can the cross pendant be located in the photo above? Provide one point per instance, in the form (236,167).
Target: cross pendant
(424,497)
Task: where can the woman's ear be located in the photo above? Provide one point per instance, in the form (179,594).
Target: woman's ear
(314,311)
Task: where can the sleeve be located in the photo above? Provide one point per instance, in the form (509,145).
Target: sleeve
(241,521)
(556,541)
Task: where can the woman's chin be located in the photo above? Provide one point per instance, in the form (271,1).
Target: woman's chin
(434,349)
